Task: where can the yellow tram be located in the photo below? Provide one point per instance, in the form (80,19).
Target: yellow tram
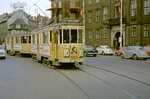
(18,43)
(59,43)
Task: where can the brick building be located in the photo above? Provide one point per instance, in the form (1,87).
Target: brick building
(102,23)
(65,9)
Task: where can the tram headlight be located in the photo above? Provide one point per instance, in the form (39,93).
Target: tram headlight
(74,49)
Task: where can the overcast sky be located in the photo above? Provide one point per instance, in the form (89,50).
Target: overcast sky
(30,8)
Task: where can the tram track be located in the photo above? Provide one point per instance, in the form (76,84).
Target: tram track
(101,79)
(122,75)
(73,82)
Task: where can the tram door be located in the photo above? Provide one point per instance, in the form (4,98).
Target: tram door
(37,46)
(12,46)
(55,45)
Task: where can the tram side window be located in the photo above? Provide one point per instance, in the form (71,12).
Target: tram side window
(45,37)
(8,41)
(23,39)
(73,36)
(50,36)
(66,36)
(80,36)
(60,36)
(33,38)
(17,40)
(29,39)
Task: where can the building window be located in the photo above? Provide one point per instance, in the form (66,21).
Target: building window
(97,34)
(116,9)
(146,31)
(97,1)
(90,17)
(105,12)
(146,7)
(59,4)
(104,34)
(133,32)
(60,17)
(90,35)
(98,15)
(18,26)
(133,8)
(90,2)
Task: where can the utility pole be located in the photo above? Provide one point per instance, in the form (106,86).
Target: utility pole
(40,9)
(120,40)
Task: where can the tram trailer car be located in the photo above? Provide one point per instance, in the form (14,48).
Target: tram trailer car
(58,44)
(19,43)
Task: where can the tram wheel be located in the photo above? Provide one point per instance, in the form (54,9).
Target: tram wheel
(76,64)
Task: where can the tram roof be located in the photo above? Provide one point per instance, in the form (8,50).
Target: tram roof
(14,34)
(65,22)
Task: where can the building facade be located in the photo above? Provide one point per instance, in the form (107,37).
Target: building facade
(102,22)
(16,22)
(62,9)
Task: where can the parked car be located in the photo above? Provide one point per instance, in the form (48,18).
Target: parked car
(134,52)
(104,49)
(89,50)
(147,49)
(2,52)
(118,52)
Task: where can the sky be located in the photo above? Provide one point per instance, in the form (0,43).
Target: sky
(30,8)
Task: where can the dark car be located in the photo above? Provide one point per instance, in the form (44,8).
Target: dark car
(89,51)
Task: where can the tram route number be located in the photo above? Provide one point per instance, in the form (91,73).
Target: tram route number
(74,57)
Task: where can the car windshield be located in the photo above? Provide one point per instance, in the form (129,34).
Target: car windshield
(107,47)
(1,47)
(89,47)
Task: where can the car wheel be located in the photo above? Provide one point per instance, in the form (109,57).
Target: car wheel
(85,54)
(116,54)
(135,57)
(122,56)
(103,53)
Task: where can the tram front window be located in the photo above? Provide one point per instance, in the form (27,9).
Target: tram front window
(73,36)
(66,36)
(23,39)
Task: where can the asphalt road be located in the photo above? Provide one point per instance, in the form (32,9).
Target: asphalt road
(21,78)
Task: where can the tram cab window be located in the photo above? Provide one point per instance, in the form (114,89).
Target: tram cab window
(45,38)
(50,36)
(29,39)
(66,36)
(73,36)
(33,39)
(80,36)
(24,39)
